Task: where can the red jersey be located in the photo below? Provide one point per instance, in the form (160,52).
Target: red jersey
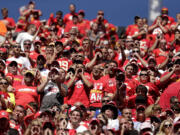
(79,93)
(97,93)
(110,84)
(64,63)
(25,94)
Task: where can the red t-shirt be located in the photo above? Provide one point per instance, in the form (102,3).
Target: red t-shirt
(25,94)
(70,25)
(160,55)
(83,26)
(11,22)
(130,86)
(131,101)
(20,28)
(97,93)
(16,79)
(68,17)
(79,93)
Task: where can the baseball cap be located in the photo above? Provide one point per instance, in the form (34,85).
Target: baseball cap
(81,12)
(31,72)
(13,63)
(4,114)
(140,107)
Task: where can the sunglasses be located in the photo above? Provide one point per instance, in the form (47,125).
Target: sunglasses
(3,83)
(135,51)
(143,74)
(167,125)
(27,43)
(17,46)
(105,101)
(100,13)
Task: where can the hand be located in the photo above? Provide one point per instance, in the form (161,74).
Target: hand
(81,71)
(93,129)
(35,130)
(47,132)
(136,55)
(98,55)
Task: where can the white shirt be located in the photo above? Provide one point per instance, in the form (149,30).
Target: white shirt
(22,37)
(23,62)
(113,124)
(79,129)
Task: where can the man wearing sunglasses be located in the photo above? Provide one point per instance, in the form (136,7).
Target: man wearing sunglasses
(23,62)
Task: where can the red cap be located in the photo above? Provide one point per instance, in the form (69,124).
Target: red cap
(4,114)
(81,11)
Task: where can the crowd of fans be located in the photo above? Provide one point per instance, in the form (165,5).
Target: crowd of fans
(70,76)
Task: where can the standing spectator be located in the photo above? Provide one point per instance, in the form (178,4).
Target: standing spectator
(99,85)
(3,31)
(68,17)
(29,35)
(52,89)
(10,23)
(79,86)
